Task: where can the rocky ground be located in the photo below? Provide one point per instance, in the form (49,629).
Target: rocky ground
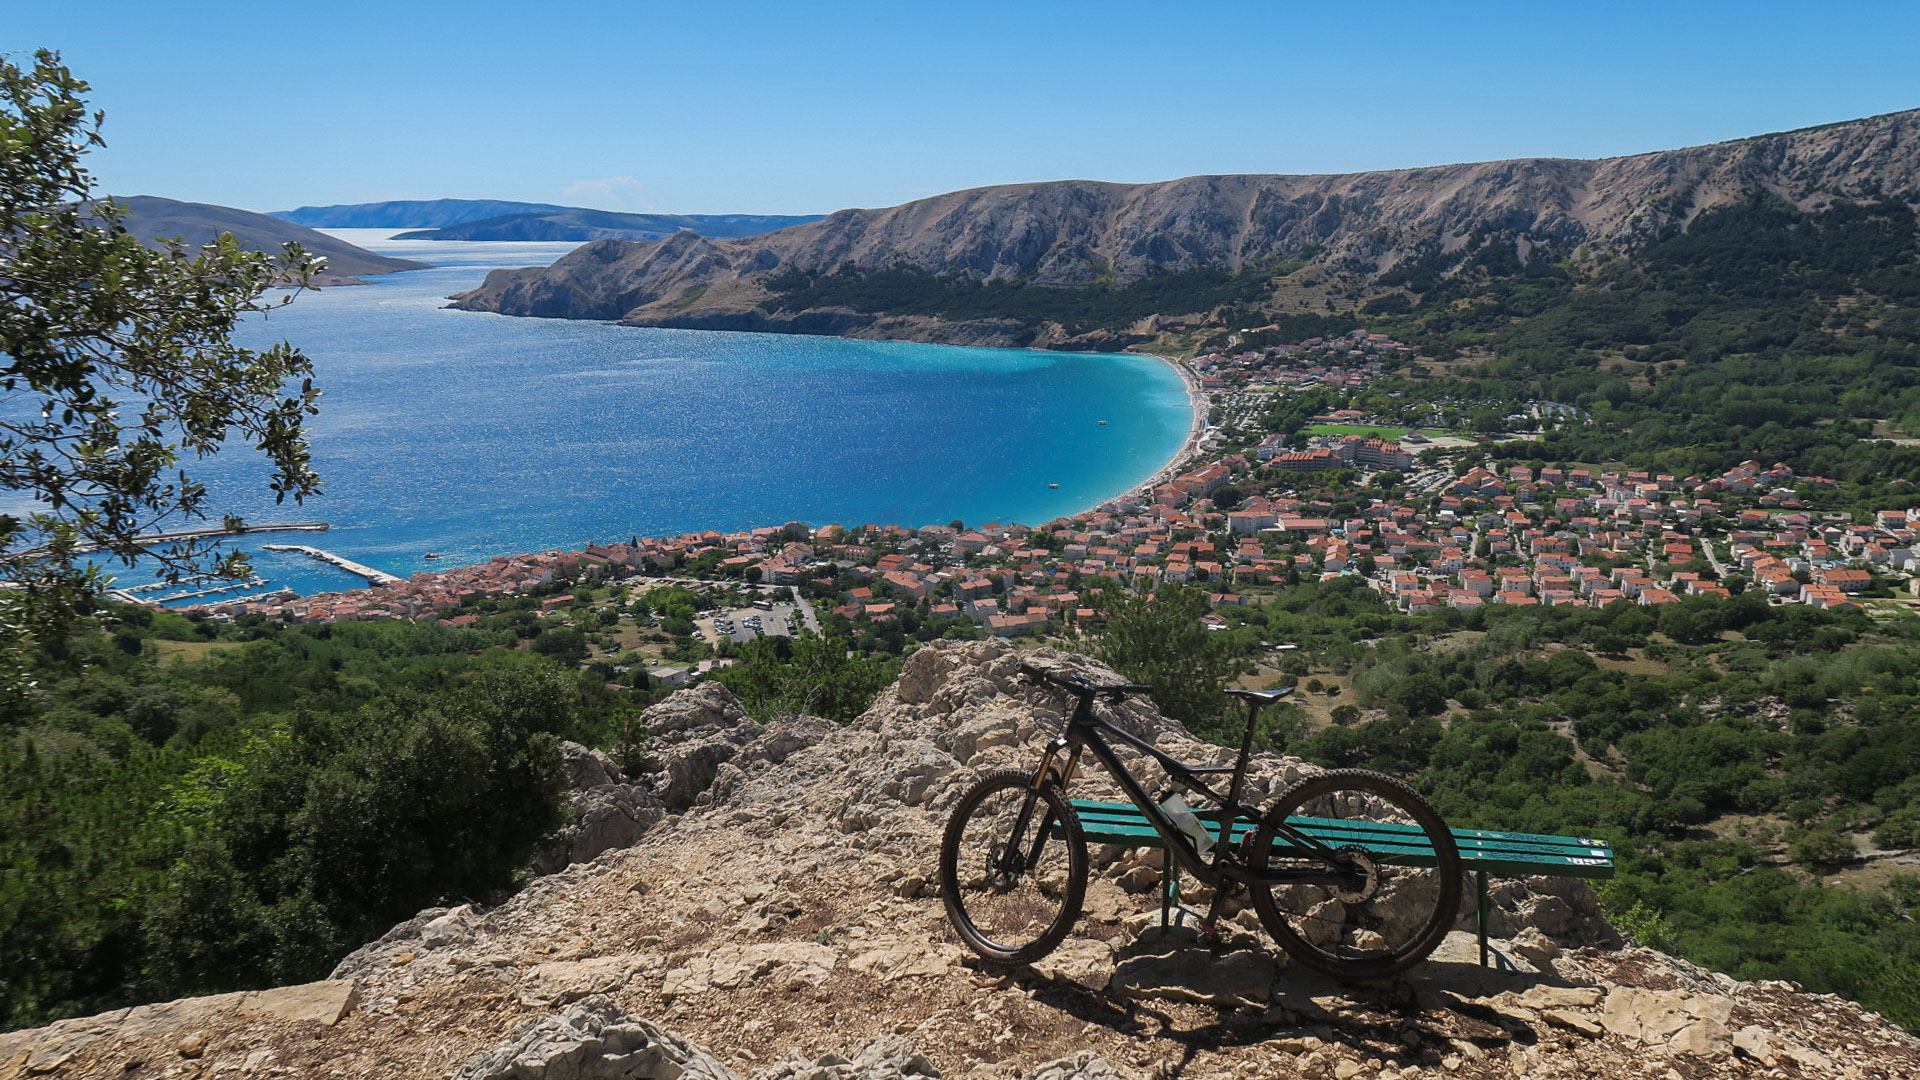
(772,919)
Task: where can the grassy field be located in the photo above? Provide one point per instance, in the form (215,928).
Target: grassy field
(173,652)
(1356,429)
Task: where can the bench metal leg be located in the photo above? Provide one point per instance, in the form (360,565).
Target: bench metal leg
(1481,916)
(1169,887)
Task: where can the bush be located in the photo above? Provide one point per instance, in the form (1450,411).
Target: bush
(1823,848)
(1900,830)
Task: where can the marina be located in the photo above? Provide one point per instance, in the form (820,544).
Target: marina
(215,590)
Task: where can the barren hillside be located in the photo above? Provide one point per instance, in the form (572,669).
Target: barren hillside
(1081,233)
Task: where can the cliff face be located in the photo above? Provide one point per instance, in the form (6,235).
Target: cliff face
(1072,233)
(778,923)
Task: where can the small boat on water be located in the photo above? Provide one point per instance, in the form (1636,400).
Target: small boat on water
(433,555)
(1053,485)
(1103,423)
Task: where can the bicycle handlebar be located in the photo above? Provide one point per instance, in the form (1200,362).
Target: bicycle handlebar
(1079,684)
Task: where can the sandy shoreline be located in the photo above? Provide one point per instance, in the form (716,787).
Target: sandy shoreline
(1196,430)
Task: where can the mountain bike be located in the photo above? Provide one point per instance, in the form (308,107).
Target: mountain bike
(1350,871)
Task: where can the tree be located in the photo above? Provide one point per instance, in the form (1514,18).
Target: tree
(1158,639)
(116,363)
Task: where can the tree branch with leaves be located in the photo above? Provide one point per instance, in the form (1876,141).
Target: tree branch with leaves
(117,366)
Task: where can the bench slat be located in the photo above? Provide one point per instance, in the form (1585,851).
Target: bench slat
(1505,853)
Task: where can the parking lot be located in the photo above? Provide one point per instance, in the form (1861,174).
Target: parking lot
(745,624)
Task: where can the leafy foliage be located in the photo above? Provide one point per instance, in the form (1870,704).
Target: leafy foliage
(810,675)
(248,818)
(115,361)
(1157,639)
(1801,725)
(1103,305)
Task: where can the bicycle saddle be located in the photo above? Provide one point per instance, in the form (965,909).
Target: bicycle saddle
(1264,697)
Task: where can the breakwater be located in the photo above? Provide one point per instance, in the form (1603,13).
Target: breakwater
(156,539)
(372,576)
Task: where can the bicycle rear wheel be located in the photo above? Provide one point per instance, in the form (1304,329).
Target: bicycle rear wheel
(1399,887)
(1013,868)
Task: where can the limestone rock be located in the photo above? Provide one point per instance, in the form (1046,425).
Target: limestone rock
(432,929)
(889,1057)
(1549,996)
(1657,1015)
(1755,1043)
(326,1002)
(1574,1022)
(609,811)
(594,1041)
(730,967)
(901,961)
(586,768)
(696,734)
(708,705)
(1084,1065)
(1242,977)
(1079,960)
(45,1049)
(1702,1038)
(561,982)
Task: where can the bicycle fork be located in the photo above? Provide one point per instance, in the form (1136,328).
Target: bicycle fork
(1017,862)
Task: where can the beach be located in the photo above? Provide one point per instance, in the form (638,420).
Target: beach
(1196,431)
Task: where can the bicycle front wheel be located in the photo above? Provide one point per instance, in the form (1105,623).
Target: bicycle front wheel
(1013,868)
(1397,886)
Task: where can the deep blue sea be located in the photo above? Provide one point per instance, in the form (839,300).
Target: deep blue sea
(475,435)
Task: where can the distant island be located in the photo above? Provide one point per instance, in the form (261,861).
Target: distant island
(486,219)
(580,226)
(152,218)
(408,213)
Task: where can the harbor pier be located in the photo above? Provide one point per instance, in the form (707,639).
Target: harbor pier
(372,576)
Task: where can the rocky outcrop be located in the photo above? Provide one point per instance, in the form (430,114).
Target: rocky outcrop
(594,1041)
(701,742)
(782,926)
(609,811)
(1069,233)
(182,1024)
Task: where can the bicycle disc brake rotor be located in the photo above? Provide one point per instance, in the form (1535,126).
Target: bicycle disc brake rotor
(1000,873)
(1365,868)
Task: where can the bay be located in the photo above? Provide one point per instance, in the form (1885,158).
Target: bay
(472,435)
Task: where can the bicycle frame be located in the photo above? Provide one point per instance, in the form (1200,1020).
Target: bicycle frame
(1087,731)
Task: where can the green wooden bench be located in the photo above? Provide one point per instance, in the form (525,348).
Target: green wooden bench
(1483,852)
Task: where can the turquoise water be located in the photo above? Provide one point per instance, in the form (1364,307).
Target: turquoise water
(475,435)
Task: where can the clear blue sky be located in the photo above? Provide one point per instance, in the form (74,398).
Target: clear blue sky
(721,107)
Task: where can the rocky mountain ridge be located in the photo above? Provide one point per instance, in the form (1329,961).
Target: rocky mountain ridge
(755,902)
(1080,233)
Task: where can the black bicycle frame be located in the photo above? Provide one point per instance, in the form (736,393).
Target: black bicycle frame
(1084,730)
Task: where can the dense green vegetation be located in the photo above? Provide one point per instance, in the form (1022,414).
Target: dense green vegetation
(1761,331)
(1736,754)
(810,674)
(249,816)
(1106,304)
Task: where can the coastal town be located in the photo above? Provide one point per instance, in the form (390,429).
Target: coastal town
(1429,521)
